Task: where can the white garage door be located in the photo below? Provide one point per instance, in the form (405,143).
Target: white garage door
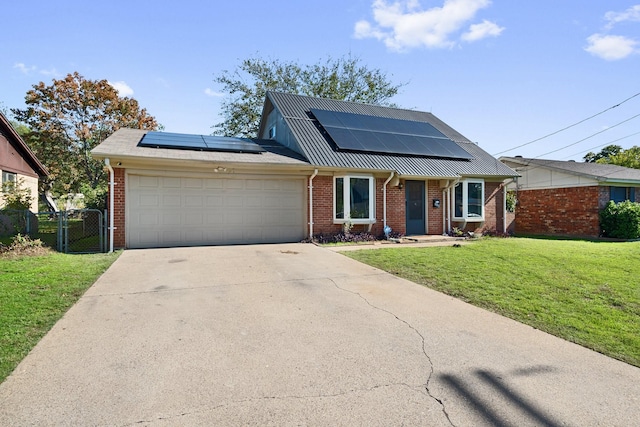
(185,211)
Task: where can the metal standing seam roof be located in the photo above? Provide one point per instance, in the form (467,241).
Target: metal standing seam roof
(598,171)
(316,148)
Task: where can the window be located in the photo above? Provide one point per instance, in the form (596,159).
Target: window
(468,200)
(620,194)
(354,196)
(8,177)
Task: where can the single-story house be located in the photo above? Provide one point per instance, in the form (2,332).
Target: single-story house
(565,197)
(315,165)
(18,163)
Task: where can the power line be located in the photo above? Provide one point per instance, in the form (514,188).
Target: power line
(590,136)
(602,145)
(569,127)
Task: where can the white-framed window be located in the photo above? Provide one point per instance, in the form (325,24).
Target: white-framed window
(468,200)
(9,177)
(353,199)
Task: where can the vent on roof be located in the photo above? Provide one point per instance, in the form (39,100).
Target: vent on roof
(358,132)
(181,141)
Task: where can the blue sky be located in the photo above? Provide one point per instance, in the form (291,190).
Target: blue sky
(501,72)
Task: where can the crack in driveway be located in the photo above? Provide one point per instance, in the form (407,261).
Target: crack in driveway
(424,351)
(285,397)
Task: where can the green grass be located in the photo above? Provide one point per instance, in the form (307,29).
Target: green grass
(584,292)
(35,292)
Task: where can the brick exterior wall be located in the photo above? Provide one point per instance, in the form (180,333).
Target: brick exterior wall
(323,208)
(396,208)
(434,215)
(119,240)
(560,211)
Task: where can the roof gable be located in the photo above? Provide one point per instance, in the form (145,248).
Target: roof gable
(21,148)
(318,149)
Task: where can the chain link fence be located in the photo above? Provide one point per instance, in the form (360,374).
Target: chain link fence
(78,231)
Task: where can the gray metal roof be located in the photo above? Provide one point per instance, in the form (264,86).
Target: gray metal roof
(597,171)
(295,111)
(124,144)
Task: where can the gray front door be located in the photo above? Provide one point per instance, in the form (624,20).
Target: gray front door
(414,196)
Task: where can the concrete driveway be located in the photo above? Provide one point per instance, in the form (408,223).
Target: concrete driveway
(299,335)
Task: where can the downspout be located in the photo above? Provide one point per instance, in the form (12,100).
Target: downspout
(315,172)
(111,202)
(448,190)
(384,201)
(444,208)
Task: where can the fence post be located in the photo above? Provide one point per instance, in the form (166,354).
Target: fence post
(59,232)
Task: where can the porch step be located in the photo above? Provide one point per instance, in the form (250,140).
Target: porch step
(429,239)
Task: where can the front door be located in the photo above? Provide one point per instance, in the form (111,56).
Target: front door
(414,195)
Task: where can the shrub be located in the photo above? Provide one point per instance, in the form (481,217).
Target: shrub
(16,196)
(621,220)
(344,238)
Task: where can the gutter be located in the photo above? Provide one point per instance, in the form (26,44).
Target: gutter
(315,172)
(384,200)
(111,202)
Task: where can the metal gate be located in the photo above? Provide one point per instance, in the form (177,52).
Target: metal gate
(78,231)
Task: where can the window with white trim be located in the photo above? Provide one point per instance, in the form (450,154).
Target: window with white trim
(354,199)
(468,200)
(9,177)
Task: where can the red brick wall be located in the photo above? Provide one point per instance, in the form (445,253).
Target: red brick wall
(323,208)
(119,209)
(396,214)
(560,211)
(493,207)
(434,224)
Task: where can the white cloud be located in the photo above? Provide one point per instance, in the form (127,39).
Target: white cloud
(23,68)
(122,88)
(50,73)
(631,14)
(210,92)
(610,47)
(480,31)
(403,24)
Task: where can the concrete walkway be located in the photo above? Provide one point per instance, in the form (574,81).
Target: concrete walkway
(296,334)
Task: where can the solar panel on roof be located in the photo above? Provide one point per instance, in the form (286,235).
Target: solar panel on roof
(181,141)
(358,132)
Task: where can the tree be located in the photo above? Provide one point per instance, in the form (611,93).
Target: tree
(629,158)
(70,117)
(343,79)
(605,153)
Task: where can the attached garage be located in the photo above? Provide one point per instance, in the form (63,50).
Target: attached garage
(164,210)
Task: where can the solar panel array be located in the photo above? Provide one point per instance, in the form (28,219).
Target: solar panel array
(183,141)
(358,132)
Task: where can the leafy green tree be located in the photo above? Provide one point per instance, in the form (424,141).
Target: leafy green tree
(70,117)
(605,153)
(343,79)
(629,158)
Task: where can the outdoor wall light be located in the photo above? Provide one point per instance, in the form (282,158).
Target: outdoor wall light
(436,203)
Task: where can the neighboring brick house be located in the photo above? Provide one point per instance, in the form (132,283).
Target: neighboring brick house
(565,198)
(18,163)
(316,165)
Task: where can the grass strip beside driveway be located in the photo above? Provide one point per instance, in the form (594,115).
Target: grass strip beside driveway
(584,292)
(35,292)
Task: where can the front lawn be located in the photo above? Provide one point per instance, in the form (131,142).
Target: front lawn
(35,292)
(584,292)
